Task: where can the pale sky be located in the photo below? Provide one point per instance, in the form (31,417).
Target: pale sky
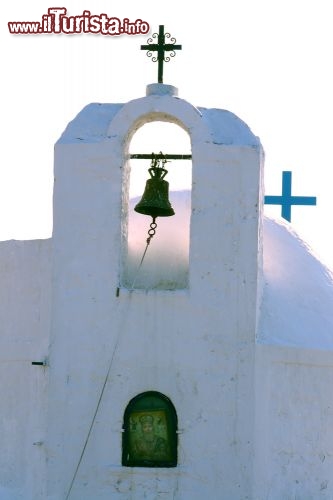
(268,62)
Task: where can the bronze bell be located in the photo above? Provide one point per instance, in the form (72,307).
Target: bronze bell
(155,199)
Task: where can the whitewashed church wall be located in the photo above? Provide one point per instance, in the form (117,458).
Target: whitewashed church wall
(254,421)
(25,297)
(294,422)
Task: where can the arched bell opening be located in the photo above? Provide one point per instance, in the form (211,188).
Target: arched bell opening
(166,260)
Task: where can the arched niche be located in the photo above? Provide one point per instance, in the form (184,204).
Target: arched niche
(166,263)
(150,432)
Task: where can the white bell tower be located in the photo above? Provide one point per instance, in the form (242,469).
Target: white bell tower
(152,390)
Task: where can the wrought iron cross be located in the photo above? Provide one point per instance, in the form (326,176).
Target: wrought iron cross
(286,200)
(161,47)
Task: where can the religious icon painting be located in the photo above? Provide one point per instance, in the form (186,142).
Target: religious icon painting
(149,438)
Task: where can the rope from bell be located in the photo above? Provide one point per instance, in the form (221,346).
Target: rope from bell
(120,330)
(151,233)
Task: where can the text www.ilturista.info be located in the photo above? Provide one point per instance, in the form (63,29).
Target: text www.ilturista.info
(56,22)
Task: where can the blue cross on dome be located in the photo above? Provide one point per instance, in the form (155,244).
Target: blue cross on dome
(286,200)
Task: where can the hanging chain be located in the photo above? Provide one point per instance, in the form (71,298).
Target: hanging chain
(151,233)
(152,230)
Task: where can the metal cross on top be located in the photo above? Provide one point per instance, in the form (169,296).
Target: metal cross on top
(286,200)
(161,47)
